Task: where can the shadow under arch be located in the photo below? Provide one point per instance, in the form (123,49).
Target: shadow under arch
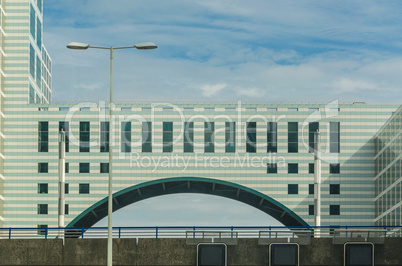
(209,186)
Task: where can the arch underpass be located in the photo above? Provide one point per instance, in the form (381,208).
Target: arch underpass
(188,185)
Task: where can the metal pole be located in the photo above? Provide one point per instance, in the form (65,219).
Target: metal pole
(317,182)
(62,180)
(110,194)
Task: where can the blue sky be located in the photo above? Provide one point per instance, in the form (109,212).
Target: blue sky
(320,50)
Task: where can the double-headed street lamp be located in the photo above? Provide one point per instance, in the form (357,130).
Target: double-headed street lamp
(84,46)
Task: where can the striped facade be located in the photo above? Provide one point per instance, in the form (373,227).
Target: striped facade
(261,146)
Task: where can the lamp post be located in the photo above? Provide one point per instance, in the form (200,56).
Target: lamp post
(84,46)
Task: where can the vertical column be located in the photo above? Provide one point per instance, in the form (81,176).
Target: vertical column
(317,182)
(62,180)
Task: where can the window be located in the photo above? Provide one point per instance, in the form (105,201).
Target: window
(146,109)
(42,229)
(84,168)
(104,167)
(334,189)
(167,136)
(42,209)
(66,211)
(310,209)
(84,136)
(313,127)
(272,168)
(67,168)
(209,109)
(230,109)
(104,137)
(83,188)
(272,139)
(209,129)
(125,136)
(313,109)
(39,33)
(65,126)
(250,109)
(66,188)
(251,138)
(311,189)
(42,188)
(334,137)
(39,3)
(293,168)
(292,109)
(293,189)
(43,167)
(146,136)
(334,168)
(272,109)
(126,109)
(64,109)
(293,142)
(85,109)
(43,136)
(32,18)
(334,210)
(230,136)
(311,168)
(188,109)
(188,145)
(31,94)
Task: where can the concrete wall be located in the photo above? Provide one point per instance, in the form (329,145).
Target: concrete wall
(171,252)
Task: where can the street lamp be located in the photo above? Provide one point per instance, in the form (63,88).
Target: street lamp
(84,46)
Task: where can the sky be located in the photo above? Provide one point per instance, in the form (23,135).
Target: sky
(231,50)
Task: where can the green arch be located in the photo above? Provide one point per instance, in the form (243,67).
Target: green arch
(209,186)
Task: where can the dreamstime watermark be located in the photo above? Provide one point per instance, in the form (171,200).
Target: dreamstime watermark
(202,160)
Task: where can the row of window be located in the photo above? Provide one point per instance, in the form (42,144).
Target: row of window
(334,189)
(188,139)
(293,168)
(333,210)
(83,168)
(43,188)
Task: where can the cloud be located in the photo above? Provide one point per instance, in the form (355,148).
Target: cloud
(211,90)
(90,87)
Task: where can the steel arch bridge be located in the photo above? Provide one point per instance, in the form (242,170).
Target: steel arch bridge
(167,186)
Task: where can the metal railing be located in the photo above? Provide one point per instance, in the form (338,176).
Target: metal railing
(204,232)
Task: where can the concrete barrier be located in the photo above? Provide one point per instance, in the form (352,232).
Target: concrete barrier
(167,251)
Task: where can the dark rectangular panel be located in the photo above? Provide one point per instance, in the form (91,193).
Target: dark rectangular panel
(211,254)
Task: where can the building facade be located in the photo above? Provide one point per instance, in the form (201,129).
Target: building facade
(263,147)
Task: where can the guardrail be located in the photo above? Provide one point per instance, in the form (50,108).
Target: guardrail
(203,232)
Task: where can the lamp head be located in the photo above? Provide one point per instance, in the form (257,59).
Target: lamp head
(145,46)
(78,46)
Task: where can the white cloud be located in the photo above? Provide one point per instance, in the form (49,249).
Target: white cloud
(211,90)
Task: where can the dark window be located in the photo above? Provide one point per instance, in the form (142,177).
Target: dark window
(293,168)
(39,34)
(334,189)
(104,167)
(42,228)
(38,76)
(84,168)
(32,62)
(43,136)
(67,168)
(334,168)
(66,211)
(167,136)
(146,136)
(83,188)
(209,129)
(42,208)
(334,137)
(251,140)
(293,189)
(311,189)
(66,128)
(104,137)
(272,168)
(311,168)
(230,136)
(272,137)
(43,168)
(334,210)
(188,144)
(84,136)
(312,128)
(125,136)
(43,188)
(66,188)
(310,209)
(293,135)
